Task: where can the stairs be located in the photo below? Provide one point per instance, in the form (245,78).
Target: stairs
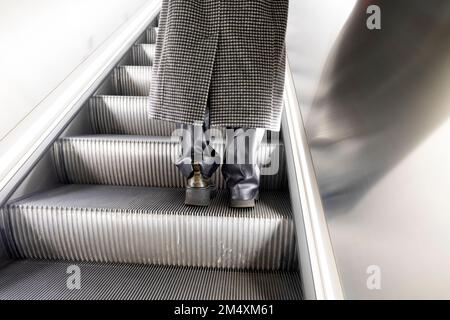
(136,161)
(143,282)
(119,214)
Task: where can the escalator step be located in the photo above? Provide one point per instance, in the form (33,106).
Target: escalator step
(32,280)
(150,226)
(143,54)
(144,161)
(132,80)
(126,115)
(151,35)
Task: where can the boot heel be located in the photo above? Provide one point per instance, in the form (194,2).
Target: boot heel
(200,197)
(242,204)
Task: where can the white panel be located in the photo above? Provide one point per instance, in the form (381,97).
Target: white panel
(44,41)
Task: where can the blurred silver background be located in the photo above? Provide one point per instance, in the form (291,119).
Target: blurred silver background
(376,107)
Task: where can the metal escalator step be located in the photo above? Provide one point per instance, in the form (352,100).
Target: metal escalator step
(151,34)
(143,161)
(132,80)
(143,54)
(125,115)
(151,226)
(43,280)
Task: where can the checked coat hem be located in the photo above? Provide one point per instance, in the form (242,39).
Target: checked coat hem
(227,54)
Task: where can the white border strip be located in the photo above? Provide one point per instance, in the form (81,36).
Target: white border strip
(72,94)
(326,280)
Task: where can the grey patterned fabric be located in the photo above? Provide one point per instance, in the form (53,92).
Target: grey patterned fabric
(230,52)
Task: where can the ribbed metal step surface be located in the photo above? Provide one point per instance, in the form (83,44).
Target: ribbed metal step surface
(132,80)
(151,226)
(126,115)
(32,280)
(142,161)
(151,35)
(143,54)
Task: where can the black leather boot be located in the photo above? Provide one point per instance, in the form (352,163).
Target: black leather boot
(198,162)
(240,169)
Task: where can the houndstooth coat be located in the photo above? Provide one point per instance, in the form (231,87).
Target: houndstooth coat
(227,54)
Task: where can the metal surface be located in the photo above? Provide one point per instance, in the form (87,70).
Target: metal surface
(378,129)
(132,80)
(4,256)
(34,280)
(153,226)
(141,161)
(125,115)
(143,54)
(319,270)
(151,35)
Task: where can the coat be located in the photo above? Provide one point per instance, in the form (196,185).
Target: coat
(228,55)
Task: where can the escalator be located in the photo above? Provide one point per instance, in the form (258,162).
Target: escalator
(117,213)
